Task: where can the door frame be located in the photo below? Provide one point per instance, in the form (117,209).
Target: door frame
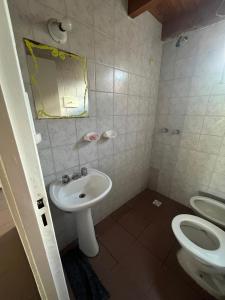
(21,174)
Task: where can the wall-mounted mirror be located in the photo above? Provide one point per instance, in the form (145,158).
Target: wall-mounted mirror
(59,81)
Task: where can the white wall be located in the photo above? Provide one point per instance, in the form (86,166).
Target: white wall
(191,99)
(124,58)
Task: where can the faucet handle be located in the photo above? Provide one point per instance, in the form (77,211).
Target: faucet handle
(65,179)
(84,171)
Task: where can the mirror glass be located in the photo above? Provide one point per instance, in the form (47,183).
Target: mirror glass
(58,80)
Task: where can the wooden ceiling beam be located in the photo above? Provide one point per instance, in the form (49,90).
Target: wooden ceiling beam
(204,15)
(137,7)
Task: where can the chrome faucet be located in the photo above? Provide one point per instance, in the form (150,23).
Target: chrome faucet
(84,171)
(65,179)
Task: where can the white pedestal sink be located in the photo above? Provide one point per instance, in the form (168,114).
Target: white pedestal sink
(79,196)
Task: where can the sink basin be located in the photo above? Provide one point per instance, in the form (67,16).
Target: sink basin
(79,196)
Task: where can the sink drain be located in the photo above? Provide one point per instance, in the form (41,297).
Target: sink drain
(82,195)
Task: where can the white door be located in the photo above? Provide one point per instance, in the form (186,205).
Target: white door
(21,174)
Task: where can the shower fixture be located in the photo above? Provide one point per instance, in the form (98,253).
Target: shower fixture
(58,29)
(180,40)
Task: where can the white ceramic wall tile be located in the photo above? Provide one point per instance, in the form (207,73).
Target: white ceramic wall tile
(191,88)
(62,132)
(104,103)
(65,157)
(118,51)
(214,126)
(120,82)
(120,104)
(104,49)
(210,144)
(46,159)
(82,10)
(104,78)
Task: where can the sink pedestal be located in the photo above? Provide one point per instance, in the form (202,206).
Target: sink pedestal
(86,233)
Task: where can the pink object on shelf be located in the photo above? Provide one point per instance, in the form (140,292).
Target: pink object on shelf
(91,136)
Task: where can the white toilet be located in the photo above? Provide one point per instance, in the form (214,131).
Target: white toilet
(202,254)
(209,209)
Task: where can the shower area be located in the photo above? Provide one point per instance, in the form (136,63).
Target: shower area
(188,152)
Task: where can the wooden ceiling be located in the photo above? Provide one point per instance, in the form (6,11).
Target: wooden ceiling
(165,10)
(177,16)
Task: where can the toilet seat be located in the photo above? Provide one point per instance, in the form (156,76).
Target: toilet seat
(212,257)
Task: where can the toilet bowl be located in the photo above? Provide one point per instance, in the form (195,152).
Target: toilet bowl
(202,254)
(209,209)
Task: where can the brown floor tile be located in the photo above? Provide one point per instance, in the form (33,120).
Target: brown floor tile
(168,287)
(140,266)
(137,259)
(120,212)
(158,239)
(145,195)
(105,225)
(103,263)
(117,241)
(121,287)
(133,223)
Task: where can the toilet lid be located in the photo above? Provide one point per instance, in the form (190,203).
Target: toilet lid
(215,256)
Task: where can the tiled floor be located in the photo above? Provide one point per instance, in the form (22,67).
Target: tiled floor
(137,259)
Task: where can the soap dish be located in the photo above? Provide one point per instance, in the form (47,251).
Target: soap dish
(110,134)
(91,137)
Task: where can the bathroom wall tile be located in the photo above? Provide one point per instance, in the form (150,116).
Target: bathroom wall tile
(201,86)
(217,182)
(104,103)
(220,165)
(62,132)
(197,105)
(104,123)
(57,5)
(104,18)
(79,45)
(105,148)
(134,84)
(189,141)
(193,124)
(120,104)
(185,67)
(104,78)
(88,152)
(216,105)
(177,106)
(181,87)
(131,140)
(120,81)
(120,124)
(106,164)
(112,42)
(132,105)
(119,143)
(104,49)
(189,89)
(143,106)
(91,104)
(82,11)
(46,160)
(65,157)
(214,126)
(122,55)
(210,144)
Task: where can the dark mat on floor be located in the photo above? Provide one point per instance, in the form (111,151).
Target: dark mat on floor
(82,278)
